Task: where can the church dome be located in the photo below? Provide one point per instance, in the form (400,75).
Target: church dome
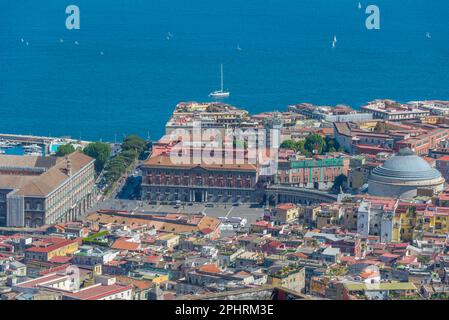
(405,166)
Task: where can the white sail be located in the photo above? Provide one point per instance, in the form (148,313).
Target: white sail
(220,93)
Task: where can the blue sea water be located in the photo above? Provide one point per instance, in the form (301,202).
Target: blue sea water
(54,88)
(17,150)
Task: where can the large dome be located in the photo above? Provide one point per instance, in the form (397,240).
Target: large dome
(405,166)
(402,175)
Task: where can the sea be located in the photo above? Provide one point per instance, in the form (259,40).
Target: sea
(132,61)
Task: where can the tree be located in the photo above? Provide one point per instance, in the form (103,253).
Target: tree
(332,145)
(340,182)
(100,151)
(297,146)
(133,142)
(65,149)
(315,142)
(288,144)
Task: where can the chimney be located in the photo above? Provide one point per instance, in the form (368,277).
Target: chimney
(68,166)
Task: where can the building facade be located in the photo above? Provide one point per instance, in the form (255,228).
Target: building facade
(165,181)
(442,165)
(393,111)
(35,191)
(317,173)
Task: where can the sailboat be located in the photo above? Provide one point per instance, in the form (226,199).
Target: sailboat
(238,48)
(428,35)
(334,42)
(220,93)
(360,5)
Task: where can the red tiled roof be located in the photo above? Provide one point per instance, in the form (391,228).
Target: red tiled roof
(99,292)
(261,224)
(210,268)
(274,244)
(285,206)
(35,282)
(123,244)
(153,259)
(348,259)
(54,269)
(299,255)
(206,230)
(368,274)
(445,158)
(390,256)
(50,244)
(58,259)
(408,260)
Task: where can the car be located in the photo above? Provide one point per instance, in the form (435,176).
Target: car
(209,205)
(235,204)
(190,204)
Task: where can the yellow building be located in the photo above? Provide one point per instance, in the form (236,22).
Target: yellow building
(168,240)
(436,221)
(46,249)
(286,213)
(290,277)
(411,224)
(404,224)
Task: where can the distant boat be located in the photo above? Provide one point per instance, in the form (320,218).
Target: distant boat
(27,43)
(170,35)
(360,5)
(6,144)
(220,93)
(335,39)
(76,43)
(22,40)
(32,150)
(101,53)
(238,48)
(61,40)
(428,35)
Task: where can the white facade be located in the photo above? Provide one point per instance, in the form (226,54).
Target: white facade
(363,218)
